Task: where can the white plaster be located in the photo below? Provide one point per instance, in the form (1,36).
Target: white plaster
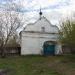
(33,38)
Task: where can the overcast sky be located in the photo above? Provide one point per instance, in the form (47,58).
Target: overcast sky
(53,10)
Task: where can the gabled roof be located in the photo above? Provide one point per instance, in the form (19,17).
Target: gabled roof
(39,23)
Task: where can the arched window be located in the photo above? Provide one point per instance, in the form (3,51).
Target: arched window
(43,29)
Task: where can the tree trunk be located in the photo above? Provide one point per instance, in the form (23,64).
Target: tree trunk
(72,48)
(3,52)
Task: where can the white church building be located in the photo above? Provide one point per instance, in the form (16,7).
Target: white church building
(40,38)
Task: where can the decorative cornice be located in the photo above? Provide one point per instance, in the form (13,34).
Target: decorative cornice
(39,32)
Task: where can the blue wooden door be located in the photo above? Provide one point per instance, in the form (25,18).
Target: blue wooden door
(49,49)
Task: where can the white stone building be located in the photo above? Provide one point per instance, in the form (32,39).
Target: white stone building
(40,38)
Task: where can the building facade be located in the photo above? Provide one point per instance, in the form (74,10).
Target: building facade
(40,38)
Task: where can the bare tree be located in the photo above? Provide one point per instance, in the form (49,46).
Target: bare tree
(10,23)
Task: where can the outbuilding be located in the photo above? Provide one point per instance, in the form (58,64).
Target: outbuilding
(40,38)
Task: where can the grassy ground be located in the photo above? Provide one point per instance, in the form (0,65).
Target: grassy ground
(39,65)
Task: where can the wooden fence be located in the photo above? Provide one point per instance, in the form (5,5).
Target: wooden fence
(12,50)
(68,50)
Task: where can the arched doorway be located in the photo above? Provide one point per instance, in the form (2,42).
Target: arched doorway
(49,48)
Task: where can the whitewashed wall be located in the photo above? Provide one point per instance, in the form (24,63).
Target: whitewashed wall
(42,23)
(32,43)
(33,38)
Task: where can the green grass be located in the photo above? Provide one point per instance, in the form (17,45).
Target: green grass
(39,65)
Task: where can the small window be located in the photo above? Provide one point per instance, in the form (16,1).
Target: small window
(43,29)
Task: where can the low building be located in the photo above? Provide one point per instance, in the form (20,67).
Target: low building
(40,38)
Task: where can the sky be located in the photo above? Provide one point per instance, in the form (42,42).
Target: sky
(53,10)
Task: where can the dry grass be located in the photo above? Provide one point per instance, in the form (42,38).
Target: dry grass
(39,65)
